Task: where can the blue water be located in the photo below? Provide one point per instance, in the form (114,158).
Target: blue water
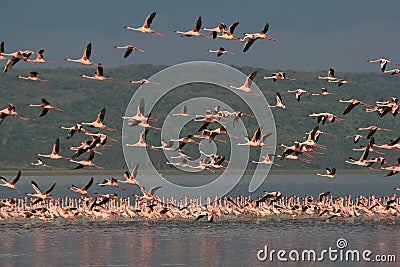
(229,242)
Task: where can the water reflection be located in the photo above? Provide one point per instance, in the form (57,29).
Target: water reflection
(227,243)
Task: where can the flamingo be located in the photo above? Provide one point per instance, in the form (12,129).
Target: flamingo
(267,161)
(166,146)
(257,140)
(194,31)
(40,162)
(183,112)
(279,103)
(278,76)
(12,183)
(54,153)
(228,35)
(10,110)
(87,162)
(259,35)
(183,141)
(393,169)
(40,58)
(352,103)
(362,161)
(393,144)
(82,190)
(142,140)
(45,107)
(246,86)
(113,183)
(129,49)
(2,57)
(340,82)
(298,93)
(15,58)
(85,146)
(372,130)
(221,51)
(98,123)
(220,29)
(355,137)
(149,195)
(324,91)
(85,57)
(330,173)
(393,71)
(130,178)
(32,77)
(142,81)
(294,156)
(73,129)
(98,75)
(330,77)
(39,194)
(146,26)
(324,116)
(144,124)
(382,62)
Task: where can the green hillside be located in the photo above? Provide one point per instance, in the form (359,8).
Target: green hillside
(82,100)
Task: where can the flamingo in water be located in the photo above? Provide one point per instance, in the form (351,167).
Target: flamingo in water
(146,25)
(85,57)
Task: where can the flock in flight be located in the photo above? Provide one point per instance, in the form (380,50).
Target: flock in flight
(44,206)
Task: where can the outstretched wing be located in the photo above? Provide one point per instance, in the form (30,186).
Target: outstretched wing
(197,26)
(149,20)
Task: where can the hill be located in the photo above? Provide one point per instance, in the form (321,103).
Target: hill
(82,100)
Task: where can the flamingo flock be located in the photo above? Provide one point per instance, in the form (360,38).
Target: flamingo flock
(43,206)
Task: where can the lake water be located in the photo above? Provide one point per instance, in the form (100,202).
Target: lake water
(229,242)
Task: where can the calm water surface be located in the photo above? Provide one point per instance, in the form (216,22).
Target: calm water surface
(229,242)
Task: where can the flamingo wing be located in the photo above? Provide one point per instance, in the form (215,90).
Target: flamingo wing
(248,44)
(88,51)
(89,184)
(15,180)
(149,20)
(265,29)
(197,26)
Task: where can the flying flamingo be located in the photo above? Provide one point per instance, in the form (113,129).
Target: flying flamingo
(355,137)
(113,182)
(40,58)
(10,110)
(54,153)
(340,82)
(142,140)
(246,86)
(45,107)
(330,77)
(82,190)
(32,77)
(98,123)
(362,161)
(294,156)
(72,130)
(146,26)
(330,173)
(278,76)
(12,183)
(279,103)
(324,116)
(352,103)
(324,91)
(372,129)
(142,81)
(144,124)
(228,35)
(221,51)
(129,49)
(98,75)
(87,162)
(393,71)
(183,141)
(382,62)
(298,93)
(257,140)
(183,112)
(259,35)
(39,194)
(15,58)
(266,160)
(166,146)
(2,57)
(194,31)
(130,178)
(85,57)
(220,29)
(40,162)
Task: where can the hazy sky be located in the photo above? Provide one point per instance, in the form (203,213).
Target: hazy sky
(311,35)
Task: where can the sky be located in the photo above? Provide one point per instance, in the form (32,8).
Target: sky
(311,35)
